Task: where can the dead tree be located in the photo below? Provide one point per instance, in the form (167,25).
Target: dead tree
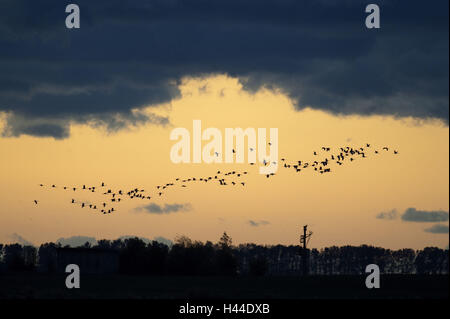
(304,252)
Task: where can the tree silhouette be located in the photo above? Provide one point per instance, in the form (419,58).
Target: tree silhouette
(13,257)
(133,257)
(431,261)
(226,261)
(225,241)
(47,257)
(258,266)
(195,258)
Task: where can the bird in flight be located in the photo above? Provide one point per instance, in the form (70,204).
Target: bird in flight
(322,166)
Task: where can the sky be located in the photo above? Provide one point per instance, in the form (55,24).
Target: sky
(98,104)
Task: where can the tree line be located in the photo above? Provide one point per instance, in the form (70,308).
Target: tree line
(196,258)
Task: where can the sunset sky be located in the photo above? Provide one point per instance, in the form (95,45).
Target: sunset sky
(98,104)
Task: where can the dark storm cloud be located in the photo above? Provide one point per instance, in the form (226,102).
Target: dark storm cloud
(132,54)
(421,216)
(437,229)
(166,209)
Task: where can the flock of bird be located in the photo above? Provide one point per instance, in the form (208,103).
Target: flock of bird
(229,178)
(323,166)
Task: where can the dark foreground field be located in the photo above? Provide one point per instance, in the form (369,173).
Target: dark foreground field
(32,285)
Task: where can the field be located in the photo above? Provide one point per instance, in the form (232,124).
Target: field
(44,286)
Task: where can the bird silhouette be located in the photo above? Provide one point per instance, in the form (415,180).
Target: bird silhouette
(322,166)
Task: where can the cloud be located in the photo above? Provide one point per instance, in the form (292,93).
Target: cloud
(127,56)
(388,215)
(166,209)
(59,128)
(77,241)
(163,240)
(144,239)
(16,238)
(437,229)
(421,216)
(257,223)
